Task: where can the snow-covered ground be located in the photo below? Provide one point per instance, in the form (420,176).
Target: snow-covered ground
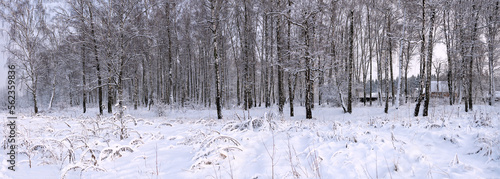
(194,144)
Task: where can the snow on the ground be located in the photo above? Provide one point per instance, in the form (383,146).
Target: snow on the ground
(194,144)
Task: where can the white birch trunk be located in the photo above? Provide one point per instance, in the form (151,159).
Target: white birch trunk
(400,59)
(53,93)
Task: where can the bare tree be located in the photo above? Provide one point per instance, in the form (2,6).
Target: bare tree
(351,62)
(214,12)
(28,32)
(429,61)
(398,94)
(422,62)
(184,53)
(492,23)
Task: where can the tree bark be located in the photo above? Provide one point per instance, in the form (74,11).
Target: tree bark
(136,91)
(214,8)
(110,90)
(390,55)
(84,81)
(429,63)
(407,64)
(398,94)
(471,58)
(98,65)
(247,95)
(291,86)
(370,43)
(351,61)
(169,89)
(422,62)
(309,100)
(448,54)
(492,30)
(279,44)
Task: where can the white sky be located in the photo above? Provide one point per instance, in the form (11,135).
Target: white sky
(439,55)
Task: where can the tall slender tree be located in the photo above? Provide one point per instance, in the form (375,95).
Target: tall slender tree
(351,62)
(429,61)
(214,13)
(422,62)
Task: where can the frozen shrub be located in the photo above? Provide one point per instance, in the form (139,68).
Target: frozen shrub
(213,150)
(481,120)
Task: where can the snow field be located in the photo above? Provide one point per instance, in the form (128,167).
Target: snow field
(193,144)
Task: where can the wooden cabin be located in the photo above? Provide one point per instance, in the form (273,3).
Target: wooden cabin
(363,99)
(439,89)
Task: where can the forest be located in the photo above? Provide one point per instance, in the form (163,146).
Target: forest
(250,89)
(227,54)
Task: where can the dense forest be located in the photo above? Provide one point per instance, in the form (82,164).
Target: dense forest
(247,53)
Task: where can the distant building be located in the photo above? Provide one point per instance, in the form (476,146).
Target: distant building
(363,99)
(439,89)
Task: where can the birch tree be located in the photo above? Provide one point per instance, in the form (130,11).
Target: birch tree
(28,32)
(214,21)
(492,27)
(429,61)
(400,64)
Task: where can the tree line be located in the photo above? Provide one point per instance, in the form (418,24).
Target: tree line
(249,53)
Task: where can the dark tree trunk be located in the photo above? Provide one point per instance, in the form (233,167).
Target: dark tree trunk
(448,54)
(351,61)
(169,88)
(492,31)
(422,62)
(309,100)
(291,85)
(406,70)
(370,53)
(98,66)
(84,81)
(279,44)
(390,56)
(429,63)
(110,90)
(145,86)
(248,85)
(214,7)
(472,55)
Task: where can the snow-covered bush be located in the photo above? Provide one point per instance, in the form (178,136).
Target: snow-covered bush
(483,119)
(160,109)
(214,149)
(265,123)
